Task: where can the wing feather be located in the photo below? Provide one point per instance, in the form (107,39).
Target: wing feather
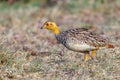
(83,35)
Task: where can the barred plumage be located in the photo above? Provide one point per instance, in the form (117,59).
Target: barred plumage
(79,39)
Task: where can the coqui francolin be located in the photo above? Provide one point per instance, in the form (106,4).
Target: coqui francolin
(78,39)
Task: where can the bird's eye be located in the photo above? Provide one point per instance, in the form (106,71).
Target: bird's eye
(47,24)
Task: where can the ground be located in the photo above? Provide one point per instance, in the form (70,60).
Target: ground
(27,52)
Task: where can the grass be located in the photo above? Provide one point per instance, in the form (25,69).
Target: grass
(27,52)
(17,5)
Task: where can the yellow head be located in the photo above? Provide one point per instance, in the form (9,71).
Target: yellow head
(51,26)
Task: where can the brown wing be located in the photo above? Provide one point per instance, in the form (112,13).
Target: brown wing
(84,35)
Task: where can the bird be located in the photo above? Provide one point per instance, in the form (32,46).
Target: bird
(80,40)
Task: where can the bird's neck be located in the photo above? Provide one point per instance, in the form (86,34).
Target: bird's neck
(56,30)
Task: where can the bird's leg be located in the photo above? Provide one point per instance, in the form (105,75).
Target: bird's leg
(93,52)
(86,57)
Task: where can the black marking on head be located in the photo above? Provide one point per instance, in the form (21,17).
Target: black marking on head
(51,24)
(47,24)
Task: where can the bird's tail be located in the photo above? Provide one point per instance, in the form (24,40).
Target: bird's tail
(110,46)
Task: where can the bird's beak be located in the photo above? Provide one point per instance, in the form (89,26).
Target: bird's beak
(41,27)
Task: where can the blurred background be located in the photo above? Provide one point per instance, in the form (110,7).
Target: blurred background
(21,39)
